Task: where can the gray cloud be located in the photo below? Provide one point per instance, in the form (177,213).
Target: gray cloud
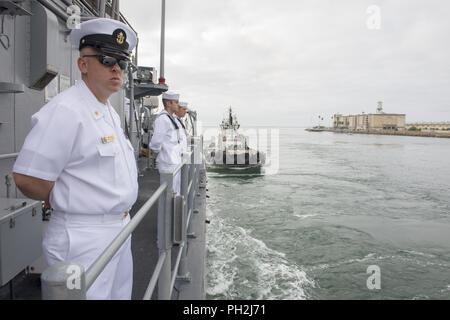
(285,62)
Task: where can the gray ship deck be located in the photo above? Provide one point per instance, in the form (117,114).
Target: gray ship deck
(145,251)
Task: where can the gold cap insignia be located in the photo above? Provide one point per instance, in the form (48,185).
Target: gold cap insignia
(120,38)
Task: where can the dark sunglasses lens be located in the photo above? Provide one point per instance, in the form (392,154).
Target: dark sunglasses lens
(109,61)
(123,64)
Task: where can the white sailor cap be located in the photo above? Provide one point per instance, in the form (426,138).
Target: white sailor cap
(107,36)
(183,104)
(171,96)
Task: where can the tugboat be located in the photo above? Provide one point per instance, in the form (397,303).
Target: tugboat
(232,150)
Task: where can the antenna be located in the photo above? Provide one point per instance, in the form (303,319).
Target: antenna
(162,80)
(380,107)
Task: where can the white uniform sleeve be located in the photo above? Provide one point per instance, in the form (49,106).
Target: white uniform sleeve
(159,134)
(48,146)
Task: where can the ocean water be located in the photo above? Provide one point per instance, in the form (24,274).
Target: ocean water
(337,206)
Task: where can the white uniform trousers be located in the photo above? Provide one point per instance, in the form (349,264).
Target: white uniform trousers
(81,238)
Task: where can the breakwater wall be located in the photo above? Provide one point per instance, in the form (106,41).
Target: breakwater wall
(395,133)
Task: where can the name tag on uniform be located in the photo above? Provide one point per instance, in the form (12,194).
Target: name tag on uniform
(108,139)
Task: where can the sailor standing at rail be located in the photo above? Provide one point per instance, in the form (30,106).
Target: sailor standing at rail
(166,140)
(77,158)
(182,108)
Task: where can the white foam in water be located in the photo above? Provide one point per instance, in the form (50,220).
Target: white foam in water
(220,270)
(418,253)
(303,216)
(370,256)
(242,267)
(221,282)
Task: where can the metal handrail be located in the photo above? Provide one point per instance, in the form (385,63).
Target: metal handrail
(177,264)
(188,219)
(182,246)
(54,279)
(163,255)
(178,168)
(152,284)
(8,156)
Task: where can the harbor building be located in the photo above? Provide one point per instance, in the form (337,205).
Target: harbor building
(371,121)
(439,126)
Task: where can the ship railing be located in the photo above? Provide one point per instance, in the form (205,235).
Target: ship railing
(8,156)
(69,281)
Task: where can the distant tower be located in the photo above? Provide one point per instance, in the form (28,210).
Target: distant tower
(380,107)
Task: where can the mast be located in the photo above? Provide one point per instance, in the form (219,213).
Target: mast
(162,80)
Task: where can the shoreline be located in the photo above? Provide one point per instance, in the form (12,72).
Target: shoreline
(395,133)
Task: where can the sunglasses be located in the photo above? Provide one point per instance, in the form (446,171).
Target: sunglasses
(109,61)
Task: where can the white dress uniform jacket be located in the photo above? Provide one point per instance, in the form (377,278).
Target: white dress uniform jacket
(65,145)
(78,143)
(166,140)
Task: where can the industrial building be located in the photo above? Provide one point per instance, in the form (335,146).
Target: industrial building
(371,121)
(439,126)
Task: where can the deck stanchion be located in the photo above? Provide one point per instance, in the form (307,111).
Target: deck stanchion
(183,273)
(165,235)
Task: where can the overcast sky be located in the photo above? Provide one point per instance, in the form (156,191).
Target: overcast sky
(285,62)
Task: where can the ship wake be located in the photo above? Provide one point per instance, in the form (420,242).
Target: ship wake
(240,266)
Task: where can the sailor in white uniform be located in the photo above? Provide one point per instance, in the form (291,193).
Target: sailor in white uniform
(166,139)
(77,158)
(179,115)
